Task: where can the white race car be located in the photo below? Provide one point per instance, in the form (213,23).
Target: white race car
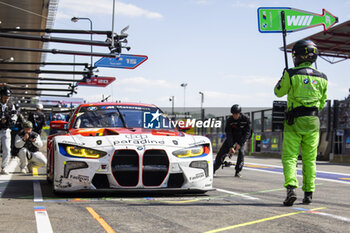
(125,146)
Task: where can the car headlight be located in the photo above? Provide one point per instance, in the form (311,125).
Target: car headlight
(197,151)
(80,152)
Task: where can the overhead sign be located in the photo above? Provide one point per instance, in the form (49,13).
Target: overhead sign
(99,81)
(269,19)
(124,61)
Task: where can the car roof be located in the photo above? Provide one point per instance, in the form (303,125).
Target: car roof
(117,104)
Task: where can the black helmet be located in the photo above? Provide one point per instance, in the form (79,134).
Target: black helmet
(236,109)
(5,91)
(304,51)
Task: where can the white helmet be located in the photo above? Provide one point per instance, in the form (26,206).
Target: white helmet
(39,106)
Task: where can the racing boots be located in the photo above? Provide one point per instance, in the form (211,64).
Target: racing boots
(4,172)
(307,198)
(30,167)
(291,196)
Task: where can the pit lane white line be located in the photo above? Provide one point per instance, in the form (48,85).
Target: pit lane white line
(43,224)
(341,218)
(299,164)
(334,216)
(5,179)
(38,197)
(277,172)
(238,194)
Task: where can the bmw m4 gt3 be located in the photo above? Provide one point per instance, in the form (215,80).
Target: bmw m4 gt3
(126,146)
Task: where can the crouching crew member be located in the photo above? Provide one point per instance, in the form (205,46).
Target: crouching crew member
(237,131)
(29,143)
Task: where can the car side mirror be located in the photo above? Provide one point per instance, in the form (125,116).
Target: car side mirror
(59,125)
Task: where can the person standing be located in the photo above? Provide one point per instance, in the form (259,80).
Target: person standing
(237,131)
(17,126)
(8,116)
(28,142)
(37,118)
(306,89)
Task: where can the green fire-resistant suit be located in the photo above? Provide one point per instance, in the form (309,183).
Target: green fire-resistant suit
(306,87)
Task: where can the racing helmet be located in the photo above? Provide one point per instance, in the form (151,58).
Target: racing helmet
(304,51)
(5,91)
(27,124)
(236,109)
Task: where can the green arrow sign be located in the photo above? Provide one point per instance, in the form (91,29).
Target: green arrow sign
(270,19)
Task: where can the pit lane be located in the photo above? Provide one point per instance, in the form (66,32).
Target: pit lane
(252,203)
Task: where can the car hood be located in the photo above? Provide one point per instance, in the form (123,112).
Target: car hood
(125,137)
(118,131)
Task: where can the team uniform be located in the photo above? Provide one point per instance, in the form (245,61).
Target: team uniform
(29,153)
(7,116)
(306,89)
(38,120)
(237,132)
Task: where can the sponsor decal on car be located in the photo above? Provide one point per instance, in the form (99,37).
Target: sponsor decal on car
(93,108)
(73,143)
(201,142)
(139,141)
(80,178)
(197,176)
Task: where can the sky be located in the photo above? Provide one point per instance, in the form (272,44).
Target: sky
(212,45)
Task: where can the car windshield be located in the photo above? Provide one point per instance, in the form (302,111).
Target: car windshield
(113,116)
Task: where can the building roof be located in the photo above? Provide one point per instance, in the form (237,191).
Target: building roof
(37,14)
(334,43)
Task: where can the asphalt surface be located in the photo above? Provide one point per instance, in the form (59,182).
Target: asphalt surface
(252,203)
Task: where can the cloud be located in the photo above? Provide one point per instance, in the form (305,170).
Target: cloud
(260,80)
(254,79)
(265,94)
(332,84)
(133,90)
(204,2)
(134,11)
(103,7)
(90,98)
(245,4)
(62,15)
(219,96)
(143,83)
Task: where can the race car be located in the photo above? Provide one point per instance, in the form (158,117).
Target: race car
(126,146)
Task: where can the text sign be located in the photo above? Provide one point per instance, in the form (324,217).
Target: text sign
(124,61)
(269,19)
(97,81)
